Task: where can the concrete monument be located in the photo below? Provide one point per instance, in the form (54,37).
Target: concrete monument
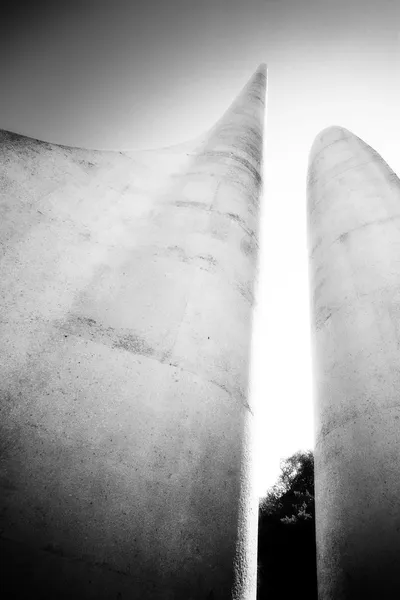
(125,323)
(354,249)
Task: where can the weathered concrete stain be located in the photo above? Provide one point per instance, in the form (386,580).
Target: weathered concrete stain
(354,249)
(126,285)
(92,330)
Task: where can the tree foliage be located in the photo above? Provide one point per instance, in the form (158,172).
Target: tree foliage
(286,533)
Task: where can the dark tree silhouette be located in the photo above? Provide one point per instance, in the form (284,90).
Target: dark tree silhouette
(286,533)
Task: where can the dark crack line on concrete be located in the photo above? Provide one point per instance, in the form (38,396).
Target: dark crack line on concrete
(233,217)
(347,137)
(325,183)
(233,156)
(60,553)
(345,304)
(376,410)
(343,235)
(222,386)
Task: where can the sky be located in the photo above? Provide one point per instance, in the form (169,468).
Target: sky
(127,75)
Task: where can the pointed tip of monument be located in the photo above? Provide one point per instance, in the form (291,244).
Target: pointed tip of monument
(327,137)
(260,74)
(330,135)
(248,104)
(262,69)
(325,154)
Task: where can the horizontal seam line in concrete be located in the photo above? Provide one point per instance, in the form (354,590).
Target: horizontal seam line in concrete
(321,437)
(220,269)
(235,157)
(347,137)
(220,385)
(357,297)
(97,565)
(354,167)
(363,226)
(230,216)
(170,364)
(323,196)
(76,224)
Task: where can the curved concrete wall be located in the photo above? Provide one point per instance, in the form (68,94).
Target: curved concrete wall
(125,323)
(354,245)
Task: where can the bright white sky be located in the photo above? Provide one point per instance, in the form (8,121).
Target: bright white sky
(330,63)
(151,73)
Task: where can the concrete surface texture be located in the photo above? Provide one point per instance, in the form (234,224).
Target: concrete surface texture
(354,249)
(127,282)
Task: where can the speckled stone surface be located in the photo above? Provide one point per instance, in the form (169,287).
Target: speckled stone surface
(354,245)
(126,282)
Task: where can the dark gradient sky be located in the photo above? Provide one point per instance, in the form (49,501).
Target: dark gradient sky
(125,74)
(122,74)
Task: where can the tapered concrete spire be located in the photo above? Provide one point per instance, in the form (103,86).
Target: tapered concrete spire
(354,245)
(125,325)
(237,124)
